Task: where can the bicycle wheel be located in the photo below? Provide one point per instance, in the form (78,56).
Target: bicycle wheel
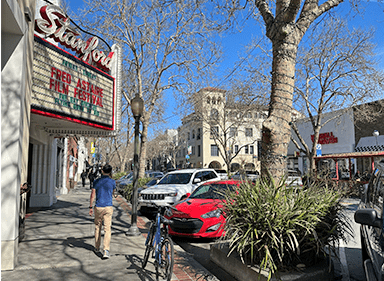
(164,267)
(149,248)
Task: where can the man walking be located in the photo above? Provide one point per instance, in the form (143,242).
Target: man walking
(103,190)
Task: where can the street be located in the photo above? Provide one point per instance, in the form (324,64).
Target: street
(350,253)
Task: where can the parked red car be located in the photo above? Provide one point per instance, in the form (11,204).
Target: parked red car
(200,215)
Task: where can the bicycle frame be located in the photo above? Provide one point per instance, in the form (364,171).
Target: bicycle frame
(159,243)
(157,240)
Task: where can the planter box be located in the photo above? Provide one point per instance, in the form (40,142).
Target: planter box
(234,266)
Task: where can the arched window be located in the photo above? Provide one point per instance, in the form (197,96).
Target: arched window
(208,100)
(193,134)
(213,100)
(214,113)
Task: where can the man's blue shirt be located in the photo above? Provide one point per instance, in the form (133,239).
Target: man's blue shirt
(104,187)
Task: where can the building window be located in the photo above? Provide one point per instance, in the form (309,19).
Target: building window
(251,149)
(193,134)
(208,100)
(189,135)
(248,132)
(198,134)
(198,151)
(214,132)
(246,149)
(249,115)
(232,132)
(236,148)
(214,150)
(193,150)
(214,114)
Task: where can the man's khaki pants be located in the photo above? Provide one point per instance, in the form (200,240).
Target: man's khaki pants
(103,214)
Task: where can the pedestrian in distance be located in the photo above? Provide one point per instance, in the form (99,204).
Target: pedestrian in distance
(91,177)
(83,177)
(103,190)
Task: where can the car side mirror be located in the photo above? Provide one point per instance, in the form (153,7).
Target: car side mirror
(197,180)
(368,217)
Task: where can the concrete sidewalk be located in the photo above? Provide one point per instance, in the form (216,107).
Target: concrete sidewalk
(59,240)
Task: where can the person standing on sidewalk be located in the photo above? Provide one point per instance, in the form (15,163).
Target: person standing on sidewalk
(103,190)
(83,177)
(91,177)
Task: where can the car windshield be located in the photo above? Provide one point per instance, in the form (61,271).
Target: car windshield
(151,182)
(179,178)
(212,191)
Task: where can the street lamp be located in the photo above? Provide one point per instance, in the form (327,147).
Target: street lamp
(137,107)
(376,134)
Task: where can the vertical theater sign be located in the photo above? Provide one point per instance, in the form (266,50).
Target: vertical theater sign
(79,83)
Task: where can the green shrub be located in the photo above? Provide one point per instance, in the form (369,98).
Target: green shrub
(119,175)
(276,226)
(128,190)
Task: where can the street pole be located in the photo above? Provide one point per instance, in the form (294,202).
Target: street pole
(137,106)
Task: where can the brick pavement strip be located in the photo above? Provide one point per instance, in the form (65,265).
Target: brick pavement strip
(182,268)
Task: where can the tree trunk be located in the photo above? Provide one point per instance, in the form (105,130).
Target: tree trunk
(276,128)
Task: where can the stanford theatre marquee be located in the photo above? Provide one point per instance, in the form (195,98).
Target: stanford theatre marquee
(65,86)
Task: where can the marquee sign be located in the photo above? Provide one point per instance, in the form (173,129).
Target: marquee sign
(66,87)
(55,24)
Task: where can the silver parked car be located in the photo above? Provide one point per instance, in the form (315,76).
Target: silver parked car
(246,175)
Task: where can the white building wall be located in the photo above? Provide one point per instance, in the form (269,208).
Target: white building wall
(16,79)
(341,125)
(43,180)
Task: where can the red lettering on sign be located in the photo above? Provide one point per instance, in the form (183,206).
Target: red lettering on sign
(85,90)
(325,138)
(60,81)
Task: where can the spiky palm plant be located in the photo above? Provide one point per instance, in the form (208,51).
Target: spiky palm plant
(277,226)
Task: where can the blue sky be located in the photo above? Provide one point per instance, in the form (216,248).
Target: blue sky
(233,44)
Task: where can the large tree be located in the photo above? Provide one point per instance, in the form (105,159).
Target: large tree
(285,23)
(336,70)
(166,45)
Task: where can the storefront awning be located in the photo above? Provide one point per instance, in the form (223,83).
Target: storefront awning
(370,144)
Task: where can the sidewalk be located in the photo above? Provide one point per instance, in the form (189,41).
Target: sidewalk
(59,240)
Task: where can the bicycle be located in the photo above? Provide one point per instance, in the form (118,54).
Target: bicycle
(161,245)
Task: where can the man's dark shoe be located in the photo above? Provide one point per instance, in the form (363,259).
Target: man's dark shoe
(96,251)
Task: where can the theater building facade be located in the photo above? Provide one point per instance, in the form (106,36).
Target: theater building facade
(57,89)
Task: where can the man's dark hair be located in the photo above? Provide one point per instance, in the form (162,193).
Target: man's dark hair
(107,169)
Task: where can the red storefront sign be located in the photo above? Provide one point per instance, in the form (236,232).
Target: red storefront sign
(325,138)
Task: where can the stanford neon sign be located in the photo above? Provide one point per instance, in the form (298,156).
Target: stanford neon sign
(56,24)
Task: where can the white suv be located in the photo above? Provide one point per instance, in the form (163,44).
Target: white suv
(175,186)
